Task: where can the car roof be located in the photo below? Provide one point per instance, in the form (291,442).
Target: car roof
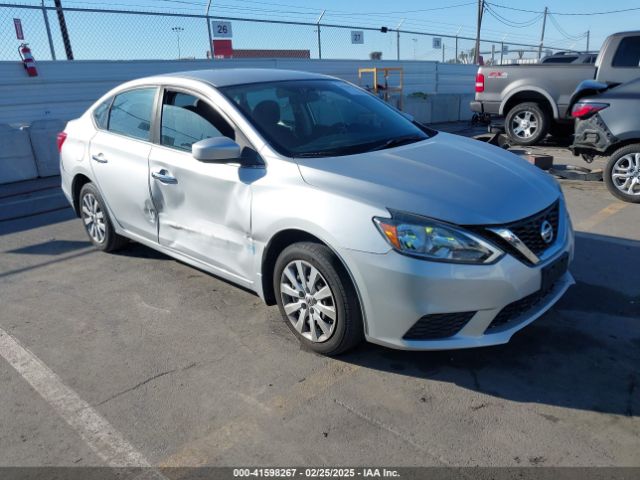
(223,77)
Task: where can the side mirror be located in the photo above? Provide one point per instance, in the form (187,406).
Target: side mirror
(217,149)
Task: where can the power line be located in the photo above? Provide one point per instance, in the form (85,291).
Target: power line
(567,13)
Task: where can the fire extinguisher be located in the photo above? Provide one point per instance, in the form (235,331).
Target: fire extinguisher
(28,62)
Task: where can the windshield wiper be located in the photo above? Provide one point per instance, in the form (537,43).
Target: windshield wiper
(398,141)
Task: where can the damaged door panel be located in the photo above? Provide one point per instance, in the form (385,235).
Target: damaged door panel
(205,214)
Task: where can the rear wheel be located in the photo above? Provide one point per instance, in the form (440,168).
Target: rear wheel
(317,299)
(622,173)
(96,220)
(527,124)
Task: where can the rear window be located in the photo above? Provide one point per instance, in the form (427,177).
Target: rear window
(131,113)
(628,54)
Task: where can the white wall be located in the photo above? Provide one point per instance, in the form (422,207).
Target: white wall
(64,89)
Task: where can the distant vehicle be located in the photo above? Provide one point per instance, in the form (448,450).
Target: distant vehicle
(534,99)
(608,124)
(357,221)
(570,57)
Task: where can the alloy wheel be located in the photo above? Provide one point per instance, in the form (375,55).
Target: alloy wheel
(93,218)
(524,124)
(625,174)
(308,301)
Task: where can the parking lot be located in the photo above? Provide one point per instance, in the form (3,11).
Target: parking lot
(134,358)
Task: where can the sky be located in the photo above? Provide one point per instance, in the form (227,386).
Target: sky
(126,36)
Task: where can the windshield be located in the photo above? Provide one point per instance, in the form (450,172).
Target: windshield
(321,118)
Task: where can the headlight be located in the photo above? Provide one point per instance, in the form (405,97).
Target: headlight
(433,240)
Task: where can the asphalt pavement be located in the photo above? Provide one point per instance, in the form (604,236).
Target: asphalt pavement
(134,358)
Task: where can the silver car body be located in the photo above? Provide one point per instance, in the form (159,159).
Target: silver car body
(223,217)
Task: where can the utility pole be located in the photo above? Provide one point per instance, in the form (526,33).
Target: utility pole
(319,42)
(588,35)
(442,52)
(476,56)
(398,39)
(544,24)
(63,29)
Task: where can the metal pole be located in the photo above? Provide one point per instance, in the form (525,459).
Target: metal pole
(178,30)
(319,41)
(442,52)
(208,20)
(493,54)
(457,61)
(544,24)
(46,24)
(501,52)
(588,34)
(63,30)
(398,39)
(476,55)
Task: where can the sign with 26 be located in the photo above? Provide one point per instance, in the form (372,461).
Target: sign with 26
(221,29)
(357,36)
(437,43)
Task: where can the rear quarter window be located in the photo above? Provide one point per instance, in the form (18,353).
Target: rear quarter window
(628,53)
(101,114)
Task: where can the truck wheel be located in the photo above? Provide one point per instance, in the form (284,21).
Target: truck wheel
(622,173)
(527,124)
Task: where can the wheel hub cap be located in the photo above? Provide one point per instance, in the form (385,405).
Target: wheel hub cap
(308,301)
(93,218)
(625,174)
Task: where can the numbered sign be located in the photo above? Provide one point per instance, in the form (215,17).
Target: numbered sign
(437,42)
(505,49)
(221,29)
(357,36)
(17,23)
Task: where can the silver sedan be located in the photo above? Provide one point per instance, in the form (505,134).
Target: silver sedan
(357,221)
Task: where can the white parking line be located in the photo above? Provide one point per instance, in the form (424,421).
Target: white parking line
(94,429)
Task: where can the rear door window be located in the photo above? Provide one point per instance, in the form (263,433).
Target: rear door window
(628,53)
(131,113)
(101,114)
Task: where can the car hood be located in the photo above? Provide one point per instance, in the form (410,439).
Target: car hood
(448,177)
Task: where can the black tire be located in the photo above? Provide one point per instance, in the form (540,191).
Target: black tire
(347,331)
(609,171)
(109,241)
(535,111)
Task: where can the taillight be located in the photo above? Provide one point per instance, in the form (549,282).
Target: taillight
(479,83)
(586,109)
(62,136)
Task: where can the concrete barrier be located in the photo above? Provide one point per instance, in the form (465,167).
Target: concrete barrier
(16,157)
(43,141)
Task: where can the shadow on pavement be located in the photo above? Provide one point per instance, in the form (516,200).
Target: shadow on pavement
(583,354)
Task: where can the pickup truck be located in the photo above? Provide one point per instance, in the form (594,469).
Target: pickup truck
(534,99)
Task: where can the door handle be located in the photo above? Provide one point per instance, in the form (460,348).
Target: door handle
(164,177)
(99,158)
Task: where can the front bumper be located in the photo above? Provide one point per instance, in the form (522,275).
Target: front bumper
(396,291)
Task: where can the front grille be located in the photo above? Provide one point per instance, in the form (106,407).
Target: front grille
(438,325)
(528,231)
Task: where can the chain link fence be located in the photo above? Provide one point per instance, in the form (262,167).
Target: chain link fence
(105,34)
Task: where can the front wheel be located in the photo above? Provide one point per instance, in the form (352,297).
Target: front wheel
(527,124)
(317,299)
(622,173)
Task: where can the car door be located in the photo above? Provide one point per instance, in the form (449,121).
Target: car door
(204,208)
(119,156)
